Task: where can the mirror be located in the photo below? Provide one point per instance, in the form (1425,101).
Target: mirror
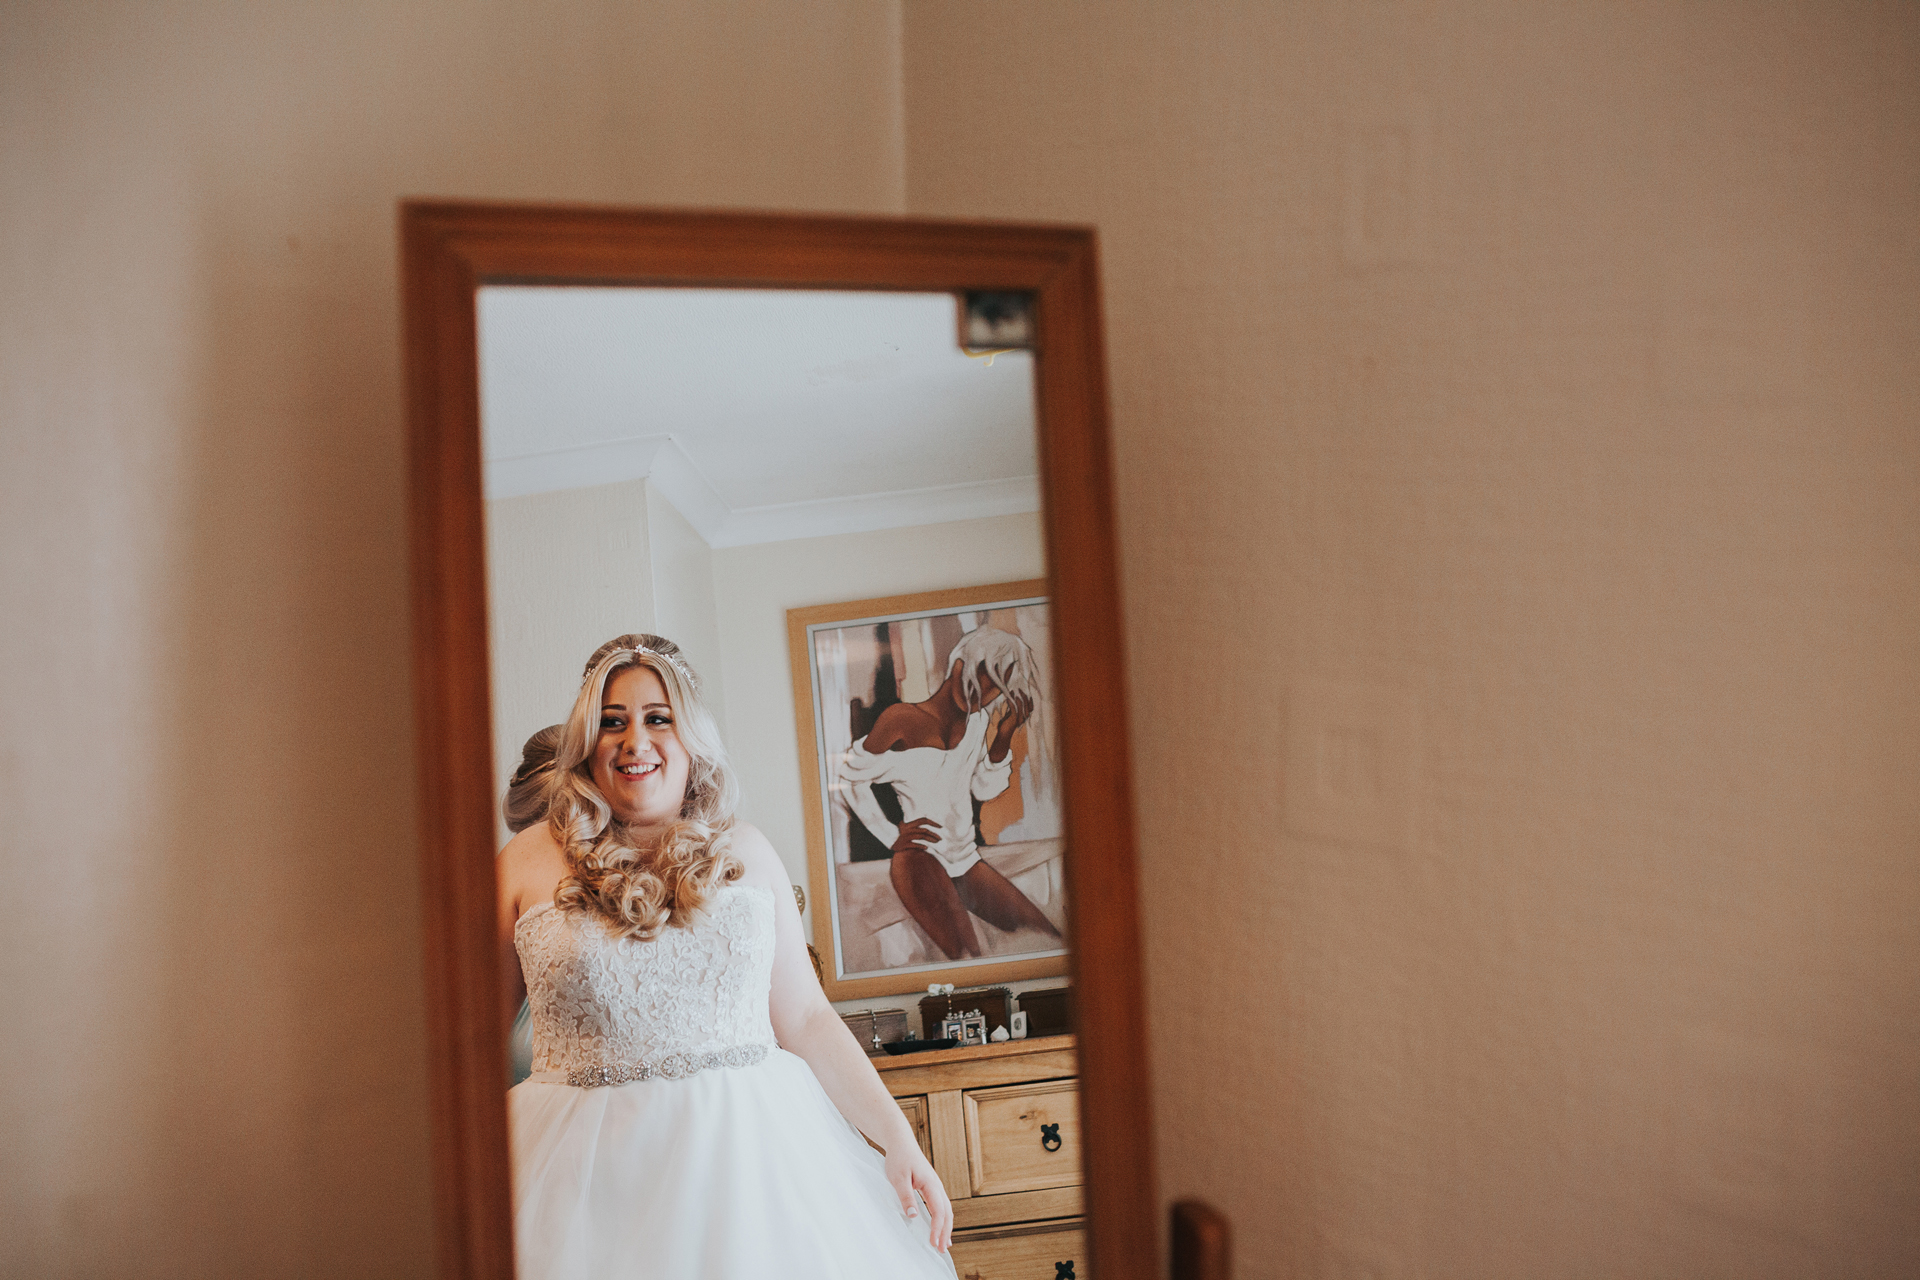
(807,453)
(703,465)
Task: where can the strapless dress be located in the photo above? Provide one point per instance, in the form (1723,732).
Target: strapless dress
(663,1132)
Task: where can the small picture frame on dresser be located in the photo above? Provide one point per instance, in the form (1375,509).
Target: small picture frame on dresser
(992,1002)
(967,1028)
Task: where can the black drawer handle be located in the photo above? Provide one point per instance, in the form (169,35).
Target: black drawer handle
(1063,1270)
(1050,1140)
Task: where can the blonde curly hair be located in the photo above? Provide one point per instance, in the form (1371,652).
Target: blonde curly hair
(642,891)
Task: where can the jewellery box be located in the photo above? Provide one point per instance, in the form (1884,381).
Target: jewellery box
(876,1027)
(1049,1011)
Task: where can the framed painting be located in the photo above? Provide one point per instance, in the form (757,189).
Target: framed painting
(934,833)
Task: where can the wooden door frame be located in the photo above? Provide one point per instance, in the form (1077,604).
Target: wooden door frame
(449,250)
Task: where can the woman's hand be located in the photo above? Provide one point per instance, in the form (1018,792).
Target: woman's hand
(917,834)
(1016,708)
(807,1025)
(909,1172)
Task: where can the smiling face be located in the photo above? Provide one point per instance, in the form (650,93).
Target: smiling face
(638,761)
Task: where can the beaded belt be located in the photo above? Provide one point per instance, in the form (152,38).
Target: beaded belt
(674,1066)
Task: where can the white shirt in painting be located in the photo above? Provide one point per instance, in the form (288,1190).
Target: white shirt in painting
(940,785)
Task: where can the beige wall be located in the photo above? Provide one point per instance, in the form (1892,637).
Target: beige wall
(212,1001)
(1515,413)
(1520,408)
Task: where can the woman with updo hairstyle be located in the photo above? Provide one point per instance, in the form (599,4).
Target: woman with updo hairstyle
(696,1106)
(525,804)
(526,798)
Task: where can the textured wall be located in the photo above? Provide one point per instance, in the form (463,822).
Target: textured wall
(212,998)
(1520,408)
(1516,432)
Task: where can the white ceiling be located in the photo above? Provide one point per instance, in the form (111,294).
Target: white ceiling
(761,414)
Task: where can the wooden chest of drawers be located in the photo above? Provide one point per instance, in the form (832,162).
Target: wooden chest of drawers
(1001,1125)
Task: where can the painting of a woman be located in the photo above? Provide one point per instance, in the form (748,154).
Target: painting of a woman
(941,755)
(938,849)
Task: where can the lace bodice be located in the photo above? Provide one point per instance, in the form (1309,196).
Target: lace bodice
(601,1001)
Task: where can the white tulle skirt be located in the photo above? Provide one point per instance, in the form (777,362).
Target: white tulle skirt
(747,1172)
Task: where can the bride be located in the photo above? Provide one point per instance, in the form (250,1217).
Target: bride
(685,1113)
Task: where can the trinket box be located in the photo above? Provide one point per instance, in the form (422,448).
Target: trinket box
(1049,1011)
(992,1003)
(876,1028)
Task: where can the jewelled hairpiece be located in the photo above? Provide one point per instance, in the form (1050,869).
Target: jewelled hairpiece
(524,774)
(680,668)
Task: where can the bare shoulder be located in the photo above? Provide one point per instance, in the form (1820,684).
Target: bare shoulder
(758,856)
(533,847)
(752,847)
(531,866)
(899,723)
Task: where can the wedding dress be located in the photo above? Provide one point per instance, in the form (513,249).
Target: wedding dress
(663,1133)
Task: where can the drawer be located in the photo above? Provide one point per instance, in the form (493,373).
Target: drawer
(1043,1251)
(915,1109)
(1023,1137)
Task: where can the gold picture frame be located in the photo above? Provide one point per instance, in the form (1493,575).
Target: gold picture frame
(868,939)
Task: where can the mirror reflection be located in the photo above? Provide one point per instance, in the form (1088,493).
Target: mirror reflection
(782,908)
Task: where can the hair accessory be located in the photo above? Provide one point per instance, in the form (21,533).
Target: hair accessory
(523,774)
(679,665)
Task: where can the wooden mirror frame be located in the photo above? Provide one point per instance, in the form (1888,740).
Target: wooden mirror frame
(448,251)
